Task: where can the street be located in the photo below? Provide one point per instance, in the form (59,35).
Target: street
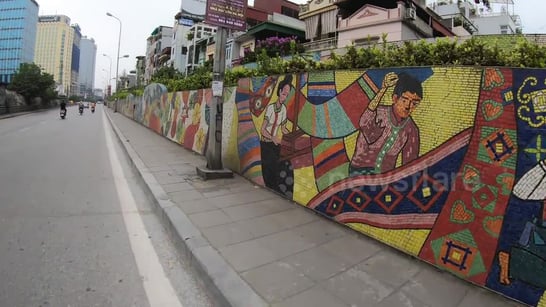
(76,227)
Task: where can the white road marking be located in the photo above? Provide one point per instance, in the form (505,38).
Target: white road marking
(158,287)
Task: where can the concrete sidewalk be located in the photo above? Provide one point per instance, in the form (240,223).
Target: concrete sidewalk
(255,248)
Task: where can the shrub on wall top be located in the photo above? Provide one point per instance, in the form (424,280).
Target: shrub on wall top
(474,51)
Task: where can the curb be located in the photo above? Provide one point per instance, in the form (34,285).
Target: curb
(219,277)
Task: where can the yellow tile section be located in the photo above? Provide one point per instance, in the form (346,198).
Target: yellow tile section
(346,78)
(456,256)
(542,302)
(449,106)
(406,240)
(350,144)
(304,185)
(426,192)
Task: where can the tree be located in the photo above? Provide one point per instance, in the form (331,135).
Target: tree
(30,82)
(166,72)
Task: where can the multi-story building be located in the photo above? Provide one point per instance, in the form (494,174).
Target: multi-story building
(128,80)
(467,17)
(198,36)
(98,93)
(76,37)
(277,25)
(88,55)
(192,37)
(191,12)
(158,50)
(18,19)
(261,9)
(54,49)
(140,70)
(334,24)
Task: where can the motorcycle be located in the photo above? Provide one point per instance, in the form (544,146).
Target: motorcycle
(92,109)
(81,111)
(63,113)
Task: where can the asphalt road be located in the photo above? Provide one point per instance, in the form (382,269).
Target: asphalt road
(76,228)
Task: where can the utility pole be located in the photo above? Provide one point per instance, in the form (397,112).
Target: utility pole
(224,14)
(214,168)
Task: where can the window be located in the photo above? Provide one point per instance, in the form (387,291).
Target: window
(289,12)
(228,51)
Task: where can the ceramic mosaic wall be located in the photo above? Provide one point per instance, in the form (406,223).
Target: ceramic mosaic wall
(445,164)
(181,117)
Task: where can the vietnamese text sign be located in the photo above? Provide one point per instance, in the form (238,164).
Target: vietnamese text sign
(217,88)
(227,13)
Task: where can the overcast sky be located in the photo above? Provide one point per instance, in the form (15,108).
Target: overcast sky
(139,18)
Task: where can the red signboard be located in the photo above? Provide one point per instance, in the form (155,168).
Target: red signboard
(227,13)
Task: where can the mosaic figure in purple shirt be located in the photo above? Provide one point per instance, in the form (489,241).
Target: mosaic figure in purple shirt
(388,131)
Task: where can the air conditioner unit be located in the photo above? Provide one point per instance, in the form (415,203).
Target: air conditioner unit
(410,13)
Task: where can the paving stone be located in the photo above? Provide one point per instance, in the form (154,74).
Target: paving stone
(176,187)
(162,173)
(284,243)
(188,195)
(226,190)
(209,218)
(317,263)
(166,179)
(483,297)
(436,288)
(313,297)
(279,221)
(391,267)
(227,234)
(277,281)
(400,298)
(318,232)
(353,249)
(247,255)
(358,288)
(160,168)
(256,209)
(240,199)
(196,206)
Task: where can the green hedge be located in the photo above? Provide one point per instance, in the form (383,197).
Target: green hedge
(476,51)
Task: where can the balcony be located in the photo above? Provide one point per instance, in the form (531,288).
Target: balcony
(323,44)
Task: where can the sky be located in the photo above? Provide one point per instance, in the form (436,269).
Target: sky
(139,18)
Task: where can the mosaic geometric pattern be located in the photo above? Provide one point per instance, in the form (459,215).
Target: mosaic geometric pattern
(426,192)
(537,148)
(532,98)
(459,254)
(497,147)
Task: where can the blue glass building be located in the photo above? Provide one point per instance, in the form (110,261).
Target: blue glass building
(18,22)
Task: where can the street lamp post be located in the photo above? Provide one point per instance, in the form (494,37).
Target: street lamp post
(117,61)
(109,71)
(119,58)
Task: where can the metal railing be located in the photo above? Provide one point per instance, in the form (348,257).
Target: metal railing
(323,44)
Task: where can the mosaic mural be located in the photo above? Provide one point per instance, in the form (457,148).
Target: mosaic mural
(447,164)
(181,117)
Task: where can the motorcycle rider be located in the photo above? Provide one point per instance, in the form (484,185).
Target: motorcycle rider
(63,107)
